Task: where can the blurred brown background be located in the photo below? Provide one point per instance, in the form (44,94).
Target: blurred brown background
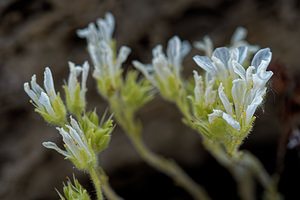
(39,33)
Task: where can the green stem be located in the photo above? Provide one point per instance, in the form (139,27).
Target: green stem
(171,169)
(95,178)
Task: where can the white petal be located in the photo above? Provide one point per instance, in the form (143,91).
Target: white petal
(68,140)
(238,92)
(51,145)
(157,51)
(243,51)
(205,63)
(122,56)
(85,72)
(173,51)
(206,46)
(32,95)
(184,49)
(225,100)
(161,68)
(48,83)
(223,54)
(35,87)
(252,107)
(75,125)
(45,101)
(232,122)
(239,34)
(147,70)
(263,54)
(239,69)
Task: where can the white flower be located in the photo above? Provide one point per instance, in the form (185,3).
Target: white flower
(76,145)
(75,71)
(41,99)
(103,59)
(247,91)
(220,65)
(101,48)
(164,66)
(104,32)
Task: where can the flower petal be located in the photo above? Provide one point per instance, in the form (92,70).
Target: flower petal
(223,54)
(263,54)
(51,145)
(205,63)
(224,99)
(232,122)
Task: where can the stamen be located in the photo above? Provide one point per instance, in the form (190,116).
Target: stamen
(235,101)
(244,113)
(242,116)
(251,83)
(30,101)
(83,139)
(65,145)
(241,107)
(234,116)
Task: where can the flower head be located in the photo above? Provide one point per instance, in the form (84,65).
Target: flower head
(47,102)
(77,148)
(101,47)
(246,93)
(75,93)
(166,69)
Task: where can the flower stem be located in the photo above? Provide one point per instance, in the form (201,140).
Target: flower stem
(170,168)
(95,178)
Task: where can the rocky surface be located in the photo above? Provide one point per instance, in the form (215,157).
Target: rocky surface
(39,33)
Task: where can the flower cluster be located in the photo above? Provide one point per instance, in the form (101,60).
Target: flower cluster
(101,48)
(240,90)
(164,72)
(47,103)
(78,148)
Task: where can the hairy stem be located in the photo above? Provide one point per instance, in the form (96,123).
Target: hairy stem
(171,169)
(95,178)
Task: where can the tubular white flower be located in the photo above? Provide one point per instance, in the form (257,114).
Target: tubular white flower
(104,32)
(76,145)
(101,49)
(164,66)
(41,100)
(75,71)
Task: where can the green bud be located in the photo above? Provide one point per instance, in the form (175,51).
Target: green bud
(74,191)
(99,134)
(136,93)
